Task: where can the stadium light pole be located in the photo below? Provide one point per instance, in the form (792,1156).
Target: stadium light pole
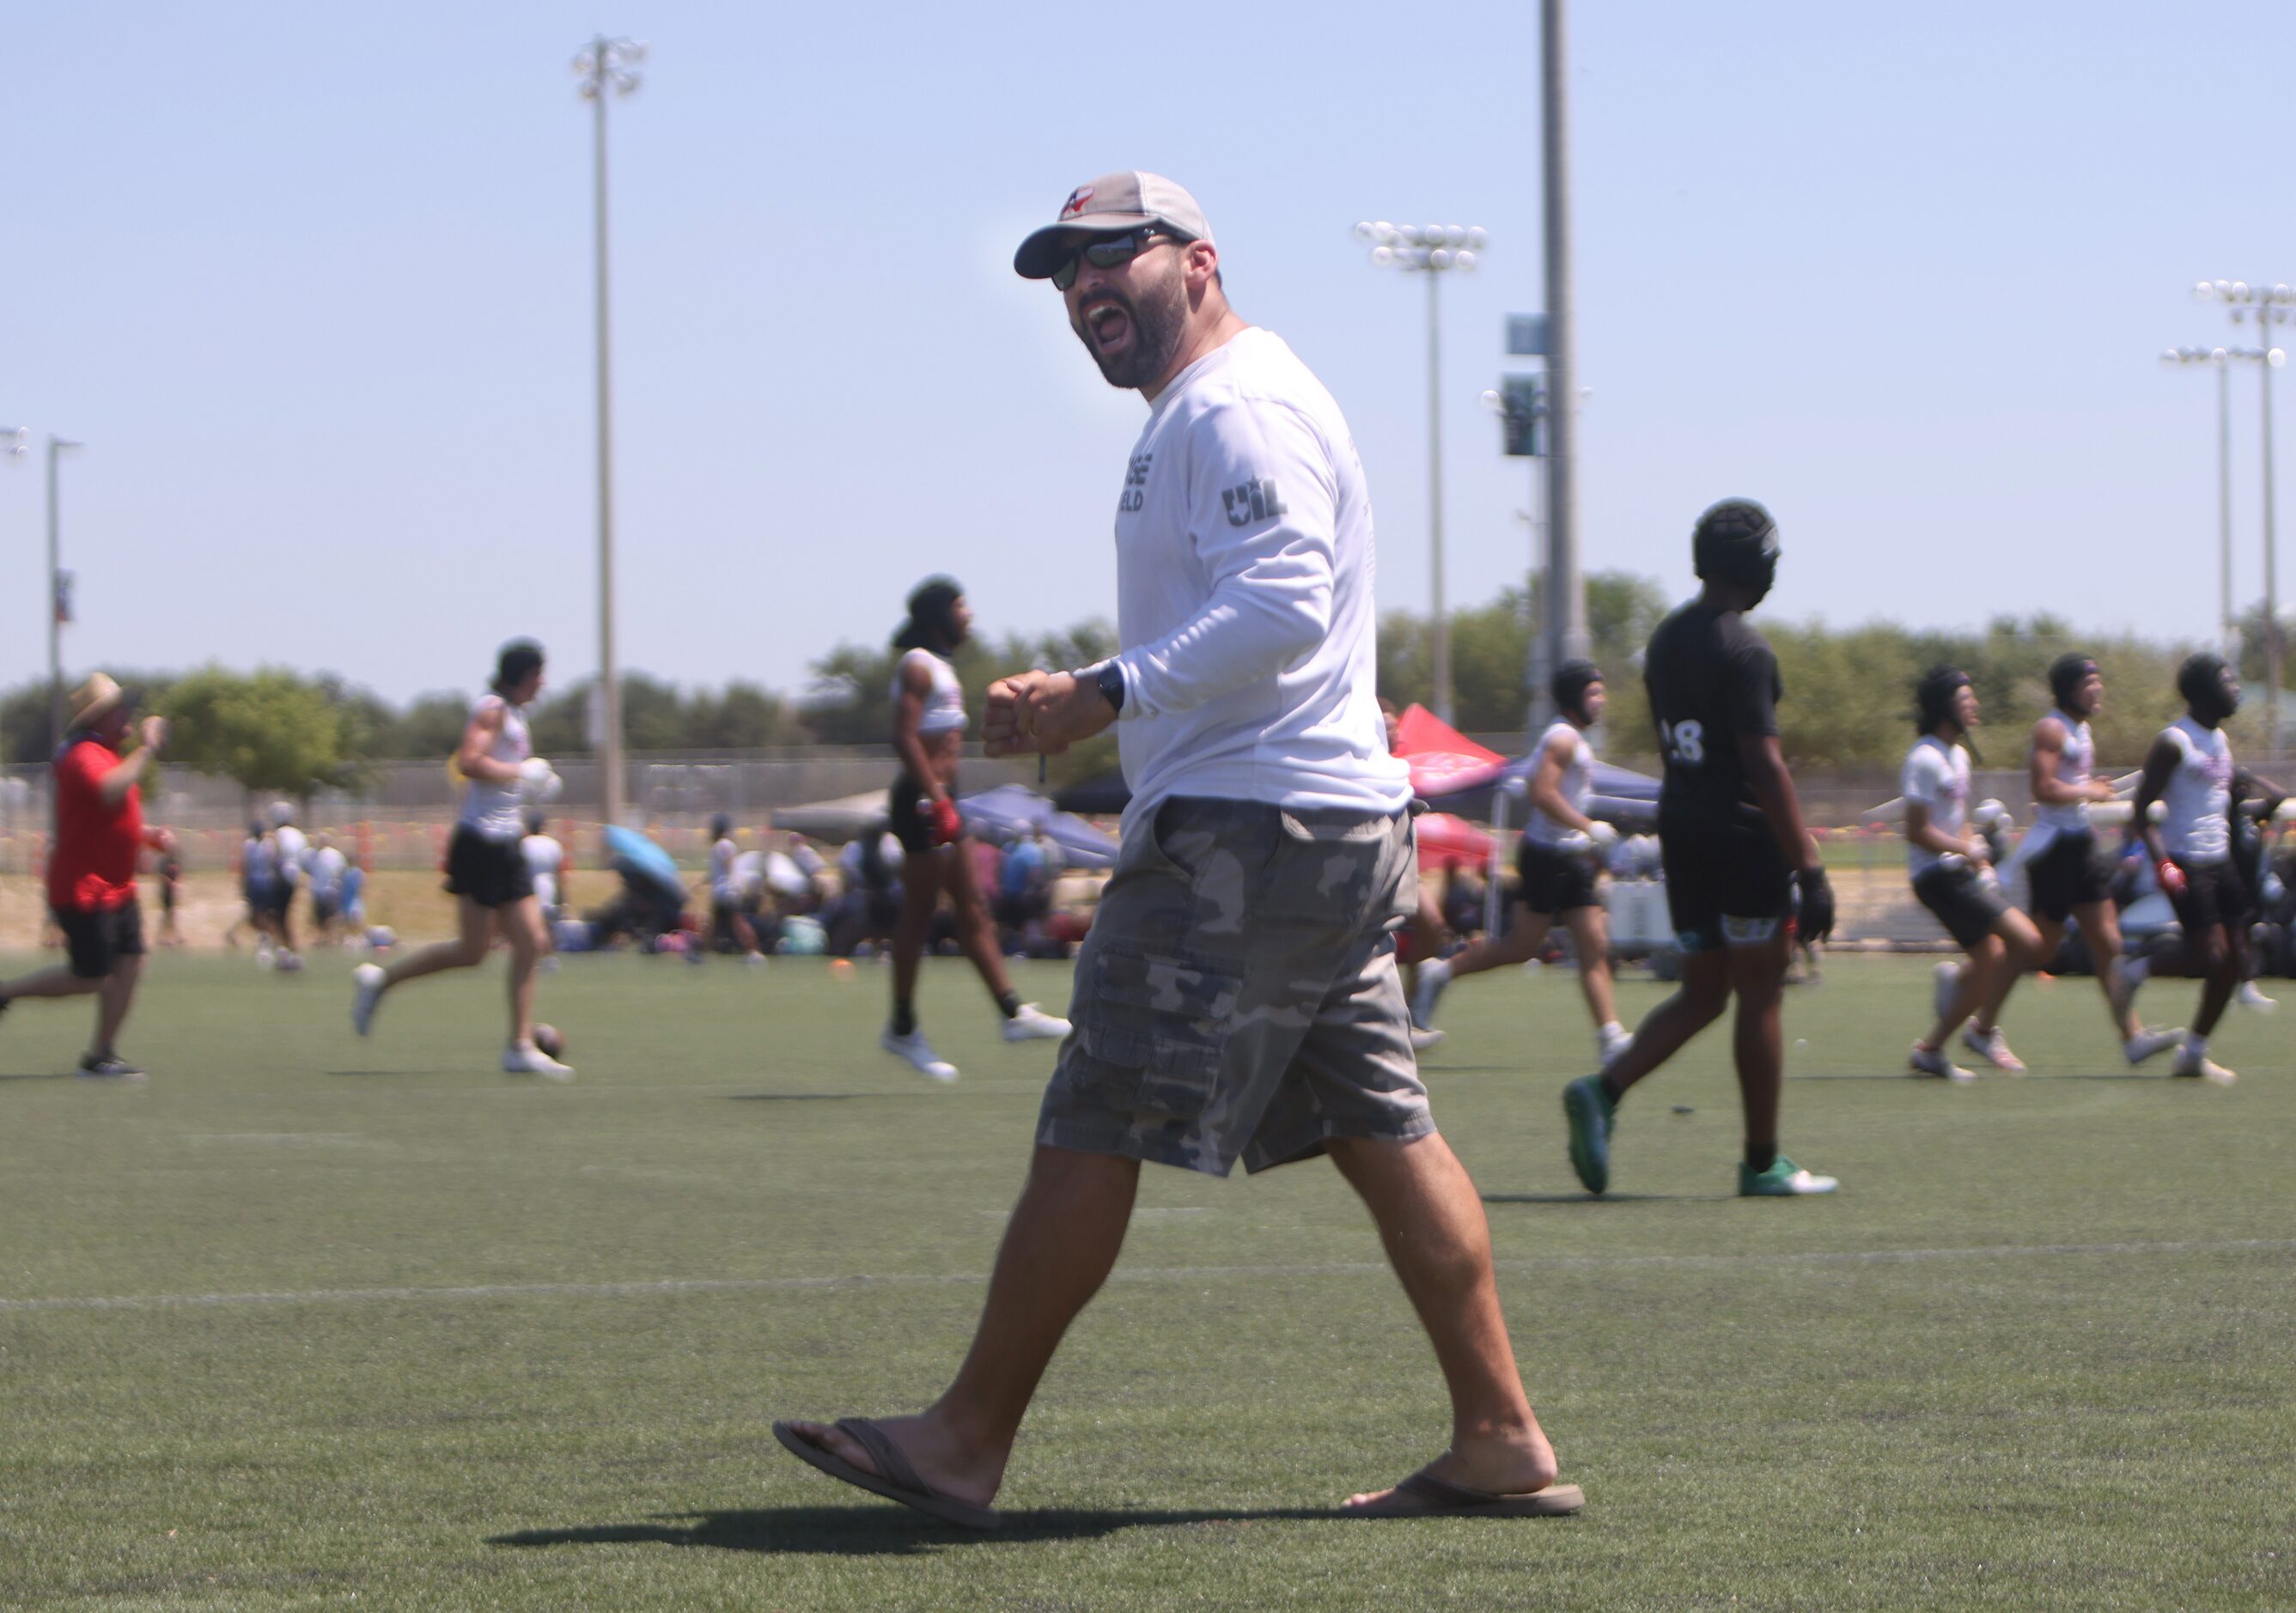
(607,67)
(2228,622)
(1433,249)
(57,447)
(15,442)
(2264,306)
(1564,630)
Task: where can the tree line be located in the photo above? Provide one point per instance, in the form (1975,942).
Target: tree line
(1849,694)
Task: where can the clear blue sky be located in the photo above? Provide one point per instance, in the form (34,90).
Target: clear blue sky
(313,284)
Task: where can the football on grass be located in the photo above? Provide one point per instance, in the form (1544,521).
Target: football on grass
(550,1039)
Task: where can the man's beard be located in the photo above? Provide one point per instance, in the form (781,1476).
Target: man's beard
(1156,321)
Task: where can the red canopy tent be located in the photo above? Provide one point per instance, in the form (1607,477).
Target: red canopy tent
(1441,759)
(1449,842)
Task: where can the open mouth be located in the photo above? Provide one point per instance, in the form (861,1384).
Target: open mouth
(1108,324)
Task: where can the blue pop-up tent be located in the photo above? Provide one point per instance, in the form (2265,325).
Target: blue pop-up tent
(1011,811)
(631,854)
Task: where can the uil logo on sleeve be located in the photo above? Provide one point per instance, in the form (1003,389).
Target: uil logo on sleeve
(1254,500)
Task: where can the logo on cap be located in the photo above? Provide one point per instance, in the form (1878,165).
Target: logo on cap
(1075,202)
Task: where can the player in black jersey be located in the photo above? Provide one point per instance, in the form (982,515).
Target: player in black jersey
(1735,853)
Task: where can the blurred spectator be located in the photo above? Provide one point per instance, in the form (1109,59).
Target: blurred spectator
(1463,899)
(171,889)
(865,913)
(328,865)
(91,870)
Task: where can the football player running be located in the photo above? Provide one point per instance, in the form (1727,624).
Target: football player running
(2190,771)
(1558,862)
(484,871)
(2063,873)
(1951,864)
(929,723)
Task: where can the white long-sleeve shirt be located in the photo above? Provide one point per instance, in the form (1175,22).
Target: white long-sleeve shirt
(1244,603)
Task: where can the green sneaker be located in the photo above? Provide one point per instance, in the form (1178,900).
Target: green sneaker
(1783,1180)
(1591,1114)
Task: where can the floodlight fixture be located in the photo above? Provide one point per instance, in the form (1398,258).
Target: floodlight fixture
(1434,250)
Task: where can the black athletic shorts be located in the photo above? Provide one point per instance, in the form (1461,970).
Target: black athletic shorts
(322,909)
(1966,905)
(491,872)
(1554,881)
(2214,894)
(1725,884)
(2066,876)
(911,811)
(279,899)
(96,939)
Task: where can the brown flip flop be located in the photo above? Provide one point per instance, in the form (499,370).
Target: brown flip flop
(895,1479)
(1424,1495)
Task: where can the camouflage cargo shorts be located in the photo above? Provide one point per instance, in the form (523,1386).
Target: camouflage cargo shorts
(1237,996)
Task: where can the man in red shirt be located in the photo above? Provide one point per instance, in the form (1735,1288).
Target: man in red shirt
(92,869)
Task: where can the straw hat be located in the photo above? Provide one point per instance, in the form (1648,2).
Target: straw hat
(93,698)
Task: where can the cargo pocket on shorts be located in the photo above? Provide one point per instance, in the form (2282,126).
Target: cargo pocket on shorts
(1323,872)
(1155,1031)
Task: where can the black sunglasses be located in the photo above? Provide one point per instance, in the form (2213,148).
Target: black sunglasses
(1109,253)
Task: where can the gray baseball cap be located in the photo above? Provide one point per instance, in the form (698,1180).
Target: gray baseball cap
(1110,205)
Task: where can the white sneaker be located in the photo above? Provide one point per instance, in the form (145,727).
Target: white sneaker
(919,1052)
(756,959)
(263,955)
(1945,979)
(366,992)
(1993,1047)
(2150,1045)
(290,962)
(1434,975)
(525,1058)
(1422,1040)
(2198,1066)
(1033,1024)
(1932,1061)
(2251,995)
(1610,1041)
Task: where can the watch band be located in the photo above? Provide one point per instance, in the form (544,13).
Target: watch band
(1111,682)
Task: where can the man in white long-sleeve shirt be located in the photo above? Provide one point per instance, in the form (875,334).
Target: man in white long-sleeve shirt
(1238,996)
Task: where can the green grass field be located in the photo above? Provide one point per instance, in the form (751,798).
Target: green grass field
(309,1320)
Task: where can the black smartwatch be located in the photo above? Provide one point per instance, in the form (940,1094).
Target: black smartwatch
(1112,685)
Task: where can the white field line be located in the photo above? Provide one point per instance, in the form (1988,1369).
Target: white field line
(1152,1274)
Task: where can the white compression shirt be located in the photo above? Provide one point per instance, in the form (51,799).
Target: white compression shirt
(1936,775)
(293,848)
(944,711)
(1244,571)
(2074,763)
(327,865)
(2195,825)
(723,885)
(1577,783)
(491,810)
(543,857)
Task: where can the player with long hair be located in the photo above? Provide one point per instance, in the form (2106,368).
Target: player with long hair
(1952,870)
(928,722)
